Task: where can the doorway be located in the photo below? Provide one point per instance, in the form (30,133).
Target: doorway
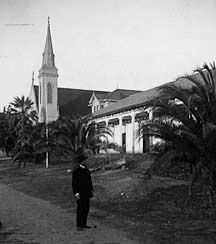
(124,142)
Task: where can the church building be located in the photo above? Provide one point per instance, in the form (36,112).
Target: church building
(123,111)
(51,101)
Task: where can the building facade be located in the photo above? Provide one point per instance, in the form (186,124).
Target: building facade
(125,117)
(51,101)
(123,111)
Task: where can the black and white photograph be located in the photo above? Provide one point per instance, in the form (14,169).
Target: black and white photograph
(108,122)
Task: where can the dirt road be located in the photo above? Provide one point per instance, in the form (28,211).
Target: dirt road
(27,219)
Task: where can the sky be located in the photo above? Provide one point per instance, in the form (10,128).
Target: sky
(104,44)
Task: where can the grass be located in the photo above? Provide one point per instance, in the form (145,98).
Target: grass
(160,218)
(154,216)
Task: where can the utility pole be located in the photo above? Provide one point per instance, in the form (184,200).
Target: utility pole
(47,132)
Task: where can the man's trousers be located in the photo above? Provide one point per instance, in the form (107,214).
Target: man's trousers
(83,206)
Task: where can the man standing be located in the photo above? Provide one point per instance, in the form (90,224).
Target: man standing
(82,189)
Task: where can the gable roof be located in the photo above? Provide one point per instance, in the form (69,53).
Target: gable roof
(116,95)
(101,95)
(119,94)
(71,101)
(133,101)
(139,99)
(78,105)
(75,102)
(66,95)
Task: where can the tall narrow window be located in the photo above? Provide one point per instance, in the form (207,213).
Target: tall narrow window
(49,93)
(40,93)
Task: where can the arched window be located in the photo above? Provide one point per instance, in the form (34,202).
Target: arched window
(40,93)
(49,93)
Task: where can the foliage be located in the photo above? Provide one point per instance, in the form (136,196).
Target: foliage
(114,146)
(24,131)
(8,135)
(185,118)
(71,134)
(29,140)
(22,108)
(31,144)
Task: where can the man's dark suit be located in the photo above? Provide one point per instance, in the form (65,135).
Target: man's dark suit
(82,184)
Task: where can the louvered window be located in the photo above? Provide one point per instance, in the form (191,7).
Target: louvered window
(49,93)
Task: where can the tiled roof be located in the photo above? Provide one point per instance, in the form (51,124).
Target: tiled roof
(130,102)
(101,94)
(77,106)
(66,95)
(119,94)
(116,95)
(75,101)
(72,101)
(137,100)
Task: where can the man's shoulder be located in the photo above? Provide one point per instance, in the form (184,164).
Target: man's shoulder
(79,167)
(76,168)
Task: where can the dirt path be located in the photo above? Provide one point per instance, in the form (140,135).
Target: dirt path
(28,220)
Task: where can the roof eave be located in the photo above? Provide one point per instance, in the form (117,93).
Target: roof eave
(134,106)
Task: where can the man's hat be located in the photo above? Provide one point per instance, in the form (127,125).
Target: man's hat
(79,155)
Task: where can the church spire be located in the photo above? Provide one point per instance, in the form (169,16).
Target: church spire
(32,77)
(48,83)
(48,55)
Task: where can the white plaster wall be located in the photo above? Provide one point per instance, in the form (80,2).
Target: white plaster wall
(130,129)
(51,109)
(117,135)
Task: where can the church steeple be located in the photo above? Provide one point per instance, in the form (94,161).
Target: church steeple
(48,55)
(48,83)
(32,77)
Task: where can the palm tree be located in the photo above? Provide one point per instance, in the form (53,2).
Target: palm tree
(22,123)
(31,144)
(8,135)
(3,131)
(185,119)
(71,134)
(22,108)
(21,105)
